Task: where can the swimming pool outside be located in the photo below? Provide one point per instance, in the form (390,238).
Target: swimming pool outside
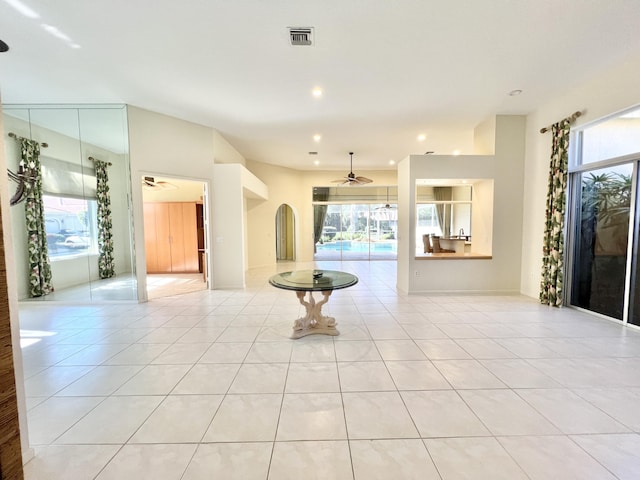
(357,250)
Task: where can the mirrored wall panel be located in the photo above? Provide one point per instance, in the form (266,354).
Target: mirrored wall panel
(71,218)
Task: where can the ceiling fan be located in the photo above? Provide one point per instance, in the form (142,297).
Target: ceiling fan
(149,183)
(387,206)
(351,178)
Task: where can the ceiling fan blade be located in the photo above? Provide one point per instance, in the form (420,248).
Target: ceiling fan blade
(150,183)
(363,180)
(386,207)
(167,186)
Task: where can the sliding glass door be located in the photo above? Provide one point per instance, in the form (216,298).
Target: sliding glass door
(356,231)
(602,218)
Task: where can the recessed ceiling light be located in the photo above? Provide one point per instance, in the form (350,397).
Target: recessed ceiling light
(422,137)
(456,152)
(317,137)
(317,92)
(392,162)
(514,93)
(316,162)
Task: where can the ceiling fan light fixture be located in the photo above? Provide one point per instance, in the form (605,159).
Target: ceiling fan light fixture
(351,178)
(150,183)
(387,205)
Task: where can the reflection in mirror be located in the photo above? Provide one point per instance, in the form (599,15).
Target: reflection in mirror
(71,201)
(443,211)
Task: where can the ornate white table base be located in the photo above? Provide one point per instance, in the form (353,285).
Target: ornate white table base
(314,322)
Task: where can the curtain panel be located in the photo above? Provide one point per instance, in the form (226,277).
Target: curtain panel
(106,261)
(443,212)
(321,194)
(319,216)
(552,282)
(37,248)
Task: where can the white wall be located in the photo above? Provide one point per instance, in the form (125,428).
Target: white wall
(406,247)
(224,152)
(482,218)
(285,186)
(502,173)
(160,145)
(293,187)
(614,90)
(234,188)
(484,137)
(12,292)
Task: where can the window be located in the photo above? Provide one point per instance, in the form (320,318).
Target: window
(71,226)
(70,208)
(427,220)
(615,137)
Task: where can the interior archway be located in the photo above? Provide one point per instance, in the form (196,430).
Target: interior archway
(285,233)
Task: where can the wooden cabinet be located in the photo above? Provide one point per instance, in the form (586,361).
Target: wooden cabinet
(171,237)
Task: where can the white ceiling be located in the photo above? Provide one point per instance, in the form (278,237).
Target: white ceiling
(390,70)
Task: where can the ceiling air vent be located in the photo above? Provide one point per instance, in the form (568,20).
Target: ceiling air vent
(301,35)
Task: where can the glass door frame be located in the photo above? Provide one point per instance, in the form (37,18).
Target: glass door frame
(371,205)
(572,227)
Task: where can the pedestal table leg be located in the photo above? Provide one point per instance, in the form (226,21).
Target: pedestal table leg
(314,322)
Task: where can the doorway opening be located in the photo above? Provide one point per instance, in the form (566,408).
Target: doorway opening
(285,234)
(175,235)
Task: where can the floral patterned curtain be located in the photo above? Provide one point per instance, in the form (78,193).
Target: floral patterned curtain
(552,283)
(106,263)
(38,252)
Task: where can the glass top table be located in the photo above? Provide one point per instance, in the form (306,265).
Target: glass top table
(303,281)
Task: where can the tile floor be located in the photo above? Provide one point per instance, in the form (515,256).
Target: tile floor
(164,285)
(123,288)
(208,385)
